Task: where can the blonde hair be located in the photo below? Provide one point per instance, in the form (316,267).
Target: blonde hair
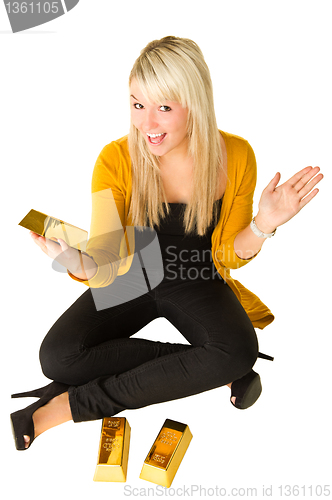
(174,69)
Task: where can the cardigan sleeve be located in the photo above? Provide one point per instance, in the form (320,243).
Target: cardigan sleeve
(107,218)
(240,214)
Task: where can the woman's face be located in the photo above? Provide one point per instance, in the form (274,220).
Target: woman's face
(163,125)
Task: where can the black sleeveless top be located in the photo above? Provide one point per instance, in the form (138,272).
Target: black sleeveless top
(185,257)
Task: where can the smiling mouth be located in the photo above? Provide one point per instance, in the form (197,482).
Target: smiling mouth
(156,139)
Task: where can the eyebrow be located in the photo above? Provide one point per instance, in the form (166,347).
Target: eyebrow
(134,97)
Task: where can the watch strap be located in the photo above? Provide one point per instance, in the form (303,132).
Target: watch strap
(258,232)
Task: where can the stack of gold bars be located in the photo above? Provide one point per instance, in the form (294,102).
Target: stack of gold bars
(162,461)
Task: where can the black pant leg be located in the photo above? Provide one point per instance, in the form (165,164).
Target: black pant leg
(86,343)
(223,348)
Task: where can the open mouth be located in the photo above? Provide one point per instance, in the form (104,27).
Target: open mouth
(156,139)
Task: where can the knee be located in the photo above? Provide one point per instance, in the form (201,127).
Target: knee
(47,358)
(243,358)
(54,359)
(243,349)
(233,361)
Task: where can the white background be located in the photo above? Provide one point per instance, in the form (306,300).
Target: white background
(63,97)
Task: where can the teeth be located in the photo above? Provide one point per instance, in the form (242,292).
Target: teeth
(155,135)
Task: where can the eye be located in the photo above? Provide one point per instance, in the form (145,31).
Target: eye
(137,105)
(164,110)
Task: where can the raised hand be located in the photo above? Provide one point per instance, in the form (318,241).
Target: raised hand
(278,204)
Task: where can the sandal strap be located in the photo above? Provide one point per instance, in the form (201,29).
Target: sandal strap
(265,356)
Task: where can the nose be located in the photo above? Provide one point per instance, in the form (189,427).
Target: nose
(150,122)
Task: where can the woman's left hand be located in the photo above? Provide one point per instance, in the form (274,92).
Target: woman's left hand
(278,205)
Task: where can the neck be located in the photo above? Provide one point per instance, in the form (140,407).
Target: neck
(176,159)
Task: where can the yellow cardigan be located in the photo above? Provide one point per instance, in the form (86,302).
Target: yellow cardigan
(111,241)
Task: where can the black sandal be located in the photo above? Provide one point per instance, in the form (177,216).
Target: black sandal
(22,422)
(246,390)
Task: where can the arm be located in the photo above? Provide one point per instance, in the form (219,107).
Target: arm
(247,244)
(237,218)
(98,266)
(87,269)
(277,206)
(101,259)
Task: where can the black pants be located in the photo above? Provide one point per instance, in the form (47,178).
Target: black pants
(107,371)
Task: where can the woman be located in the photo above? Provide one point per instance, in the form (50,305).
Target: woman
(178,180)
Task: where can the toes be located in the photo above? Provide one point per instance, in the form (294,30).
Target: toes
(26,441)
(233,399)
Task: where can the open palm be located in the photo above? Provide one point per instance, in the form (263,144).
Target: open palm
(278,205)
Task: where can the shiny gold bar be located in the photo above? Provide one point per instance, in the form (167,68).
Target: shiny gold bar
(113,450)
(52,228)
(166,453)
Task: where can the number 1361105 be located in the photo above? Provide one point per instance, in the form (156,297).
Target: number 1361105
(288,490)
(32,7)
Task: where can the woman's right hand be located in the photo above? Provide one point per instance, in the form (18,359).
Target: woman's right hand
(61,252)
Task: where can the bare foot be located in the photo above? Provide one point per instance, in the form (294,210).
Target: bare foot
(55,412)
(233,399)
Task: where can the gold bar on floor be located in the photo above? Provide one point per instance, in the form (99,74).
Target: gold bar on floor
(113,450)
(52,228)
(166,453)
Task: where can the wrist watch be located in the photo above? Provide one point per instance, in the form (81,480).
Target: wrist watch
(258,232)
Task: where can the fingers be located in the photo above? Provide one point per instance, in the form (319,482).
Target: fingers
(302,180)
(308,183)
(273,183)
(298,176)
(48,246)
(36,237)
(307,187)
(39,240)
(63,244)
(308,198)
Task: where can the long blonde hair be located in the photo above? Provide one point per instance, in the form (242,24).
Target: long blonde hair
(174,69)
